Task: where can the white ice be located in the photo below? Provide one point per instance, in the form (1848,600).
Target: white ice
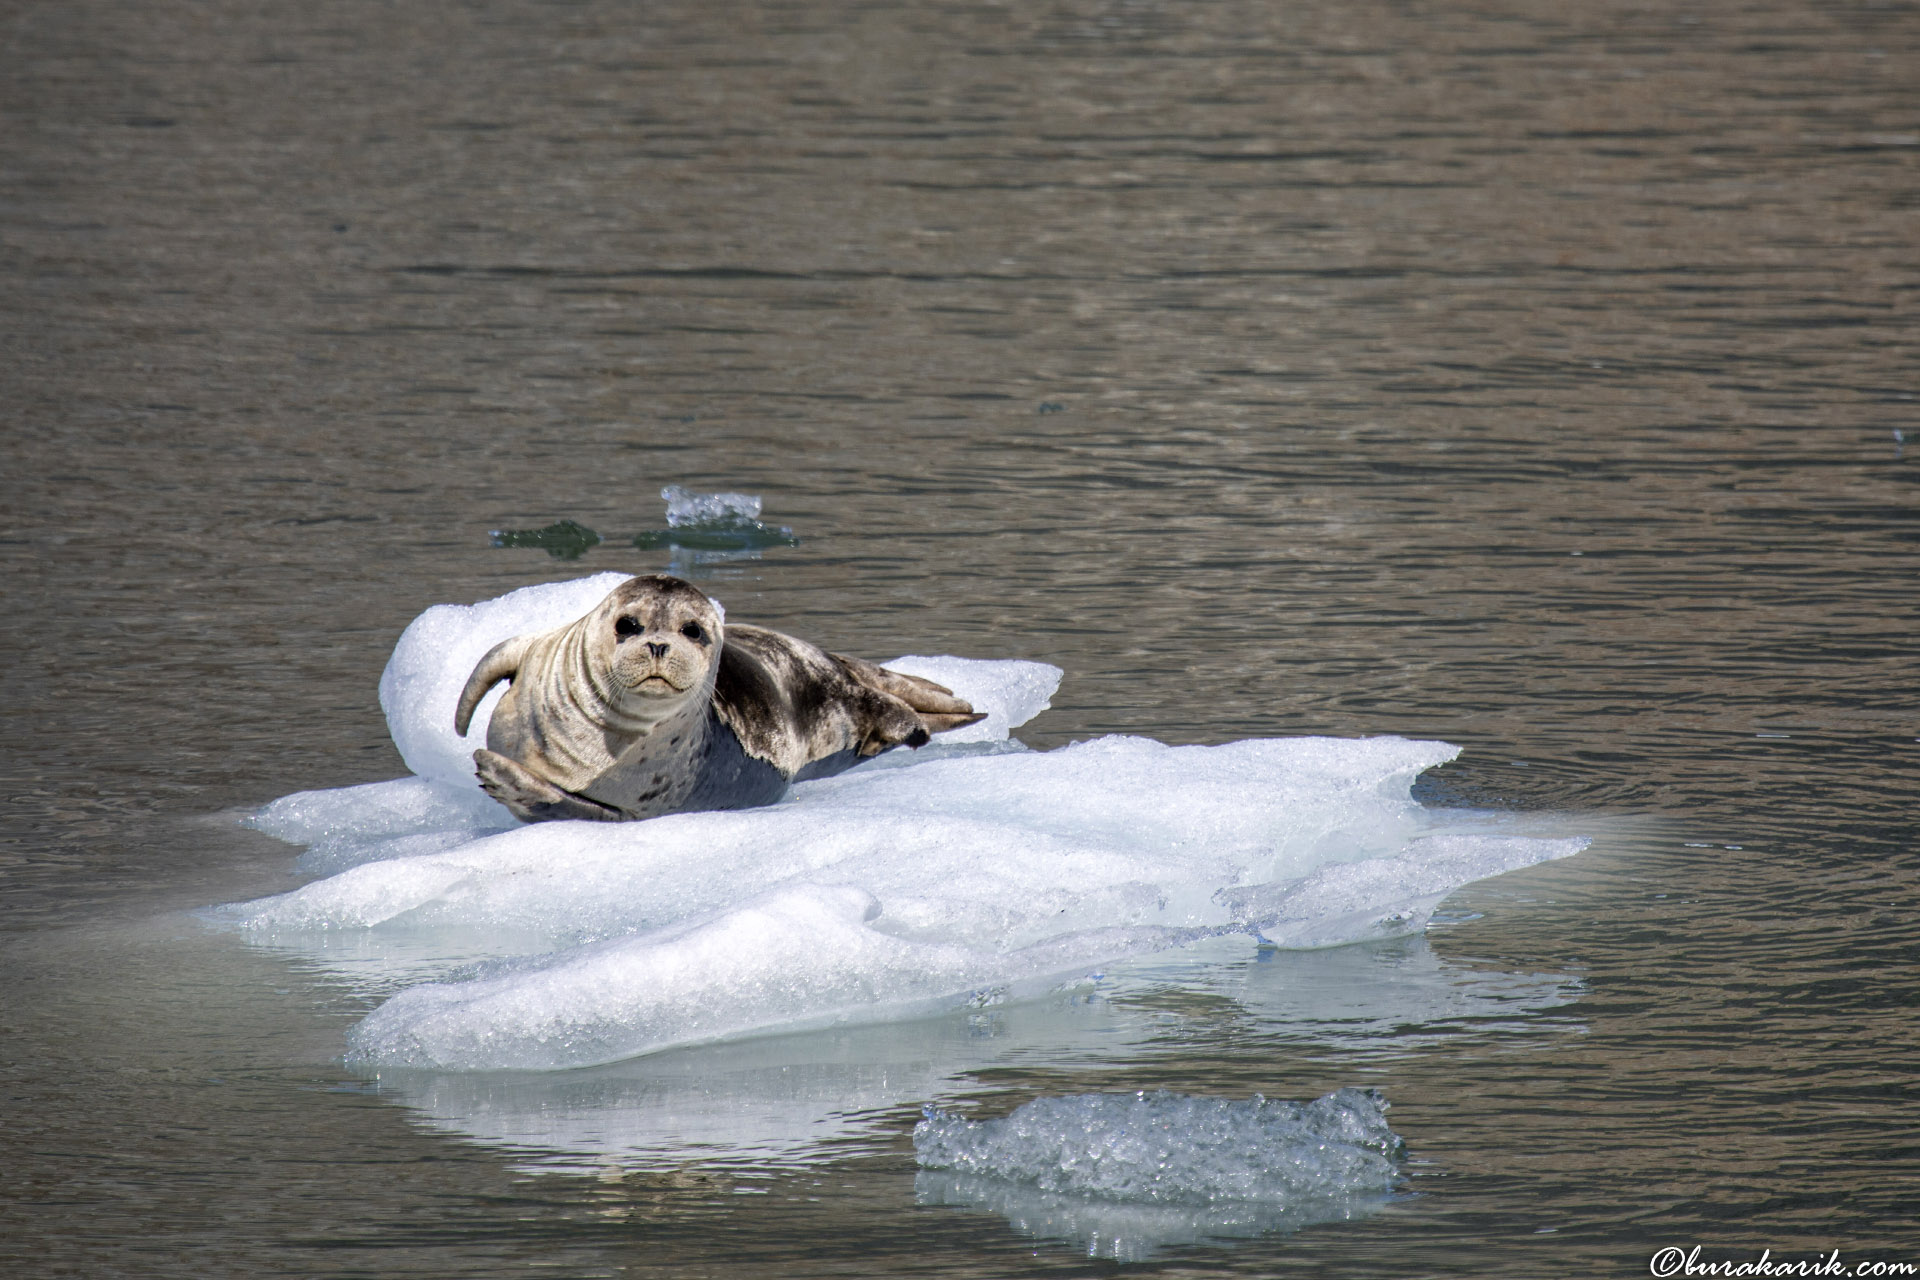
(967,873)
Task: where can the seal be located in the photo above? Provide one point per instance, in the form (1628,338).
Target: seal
(650,704)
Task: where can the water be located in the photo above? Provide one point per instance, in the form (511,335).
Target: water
(1518,377)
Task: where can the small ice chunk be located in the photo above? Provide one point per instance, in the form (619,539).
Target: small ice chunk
(711,528)
(1169,1148)
(684,507)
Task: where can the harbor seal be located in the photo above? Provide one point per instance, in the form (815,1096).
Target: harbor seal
(650,704)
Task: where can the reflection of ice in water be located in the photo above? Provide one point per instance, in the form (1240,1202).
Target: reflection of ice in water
(1126,1174)
(703,564)
(970,873)
(782,1100)
(765,1103)
(1132,1232)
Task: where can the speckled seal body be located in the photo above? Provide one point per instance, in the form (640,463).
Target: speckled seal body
(650,704)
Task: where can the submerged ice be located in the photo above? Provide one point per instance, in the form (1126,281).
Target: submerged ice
(966,873)
(1126,1174)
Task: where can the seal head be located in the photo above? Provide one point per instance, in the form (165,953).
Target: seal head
(582,694)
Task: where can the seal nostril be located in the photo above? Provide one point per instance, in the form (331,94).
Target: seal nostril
(656,649)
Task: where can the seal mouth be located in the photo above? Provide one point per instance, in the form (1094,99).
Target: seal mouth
(656,684)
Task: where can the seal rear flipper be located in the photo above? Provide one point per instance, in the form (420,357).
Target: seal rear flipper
(531,798)
(938,723)
(501,663)
(921,694)
(939,709)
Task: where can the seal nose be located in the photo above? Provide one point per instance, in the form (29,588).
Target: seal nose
(656,649)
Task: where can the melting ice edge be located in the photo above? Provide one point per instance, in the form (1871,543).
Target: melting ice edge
(971,872)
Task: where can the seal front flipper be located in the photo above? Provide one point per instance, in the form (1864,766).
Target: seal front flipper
(501,663)
(533,799)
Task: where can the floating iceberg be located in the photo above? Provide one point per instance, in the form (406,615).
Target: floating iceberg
(968,873)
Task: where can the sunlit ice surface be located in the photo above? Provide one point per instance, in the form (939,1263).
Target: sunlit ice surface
(760,982)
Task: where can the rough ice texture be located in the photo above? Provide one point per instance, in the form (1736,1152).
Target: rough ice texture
(1125,1175)
(684,507)
(1169,1148)
(964,872)
(381,821)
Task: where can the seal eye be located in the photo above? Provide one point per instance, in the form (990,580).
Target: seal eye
(624,627)
(693,632)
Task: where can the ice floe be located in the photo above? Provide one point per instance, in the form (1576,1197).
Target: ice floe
(966,874)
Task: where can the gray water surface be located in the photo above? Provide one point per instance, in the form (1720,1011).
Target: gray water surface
(1522,375)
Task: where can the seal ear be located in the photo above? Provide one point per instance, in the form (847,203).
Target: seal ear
(501,663)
